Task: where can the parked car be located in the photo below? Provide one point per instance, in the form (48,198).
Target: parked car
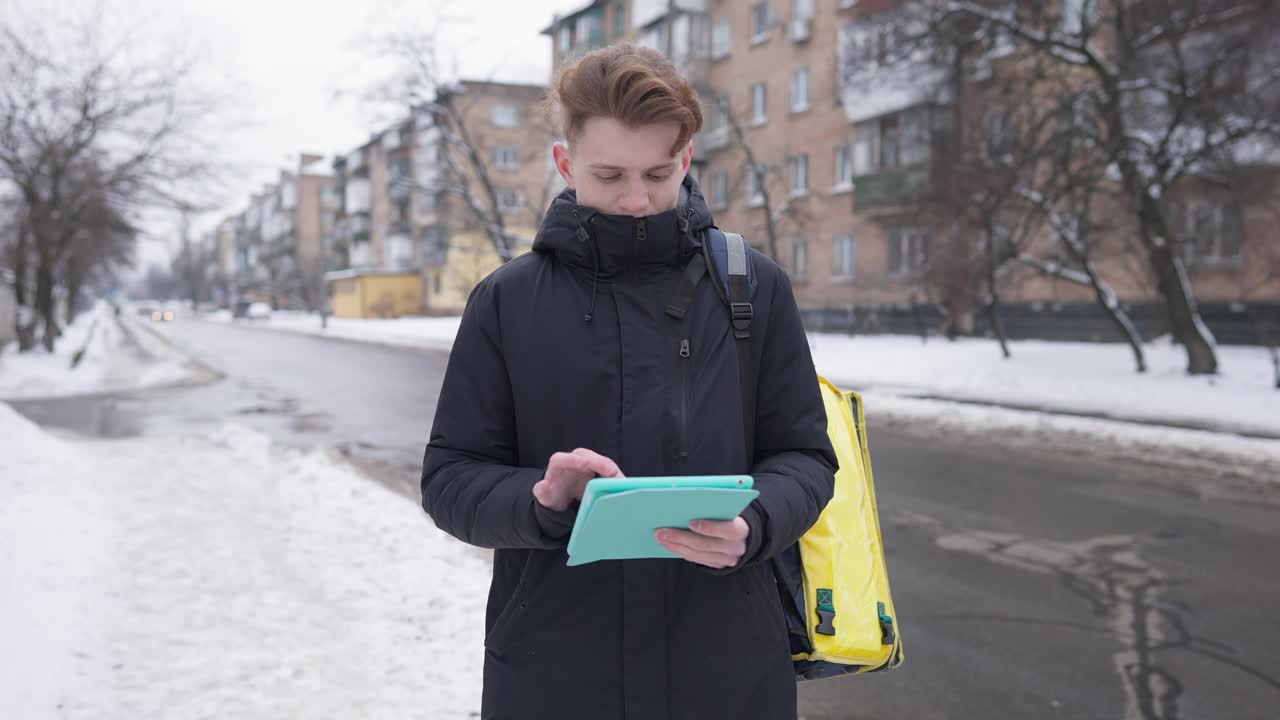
(258,311)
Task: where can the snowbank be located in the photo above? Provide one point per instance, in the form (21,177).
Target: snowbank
(115,359)
(226,576)
(429,333)
(1069,377)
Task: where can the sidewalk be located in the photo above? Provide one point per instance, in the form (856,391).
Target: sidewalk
(120,355)
(224,576)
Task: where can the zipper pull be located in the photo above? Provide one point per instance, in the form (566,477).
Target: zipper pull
(684,348)
(642,231)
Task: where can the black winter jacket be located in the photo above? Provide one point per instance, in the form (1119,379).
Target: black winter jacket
(569,346)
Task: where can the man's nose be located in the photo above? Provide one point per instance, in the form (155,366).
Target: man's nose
(635,201)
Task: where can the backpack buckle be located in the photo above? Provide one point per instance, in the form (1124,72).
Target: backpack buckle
(741,314)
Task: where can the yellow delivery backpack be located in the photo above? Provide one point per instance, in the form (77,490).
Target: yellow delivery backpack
(833,583)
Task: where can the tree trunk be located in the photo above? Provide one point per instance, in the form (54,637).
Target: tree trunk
(45,308)
(993,306)
(25,320)
(1122,321)
(1180,303)
(74,285)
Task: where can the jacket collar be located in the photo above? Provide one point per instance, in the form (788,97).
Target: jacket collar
(607,244)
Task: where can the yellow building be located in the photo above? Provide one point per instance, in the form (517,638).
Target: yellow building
(373,294)
(469,258)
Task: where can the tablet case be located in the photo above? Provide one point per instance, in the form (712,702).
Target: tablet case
(618,516)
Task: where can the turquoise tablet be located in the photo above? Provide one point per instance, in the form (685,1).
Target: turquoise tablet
(618,516)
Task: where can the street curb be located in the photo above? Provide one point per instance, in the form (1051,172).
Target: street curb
(1085,414)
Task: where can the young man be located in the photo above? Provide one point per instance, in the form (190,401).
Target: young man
(567,367)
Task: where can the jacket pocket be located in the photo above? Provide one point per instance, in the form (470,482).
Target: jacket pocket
(499,634)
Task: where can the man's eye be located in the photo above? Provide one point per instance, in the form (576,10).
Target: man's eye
(659,178)
(609,179)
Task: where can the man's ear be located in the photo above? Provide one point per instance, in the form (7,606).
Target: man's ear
(564,163)
(686,157)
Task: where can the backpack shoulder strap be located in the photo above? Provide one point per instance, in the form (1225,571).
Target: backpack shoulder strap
(729,258)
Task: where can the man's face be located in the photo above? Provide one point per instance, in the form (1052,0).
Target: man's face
(619,170)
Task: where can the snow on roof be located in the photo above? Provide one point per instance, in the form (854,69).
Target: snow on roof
(889,90)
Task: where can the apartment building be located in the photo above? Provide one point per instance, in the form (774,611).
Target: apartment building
(496,178)
(279,240)
(420,194)
(851,150)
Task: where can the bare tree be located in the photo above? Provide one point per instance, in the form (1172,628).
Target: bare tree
(768,181)
(1168,87)
(437,100)
(87,122)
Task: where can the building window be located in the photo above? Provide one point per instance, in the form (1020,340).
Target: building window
(861,158)
(759,114)
(1213,233)
(508,200)
(904,140)
(720,189)
(889,142)
(844,168)
(844,255)
(799,165)
(800,90)
(1073,17)
(720,113)
(506,115)
(759,22)
(908,251)
(721,39)
(437,279)
(590,28)
(995,243)
(755,186)
(799,258)
(566,37)
(804,10)
(995,136)
(506,158)
(619,20)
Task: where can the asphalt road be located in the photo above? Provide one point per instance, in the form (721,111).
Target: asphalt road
(1029,584)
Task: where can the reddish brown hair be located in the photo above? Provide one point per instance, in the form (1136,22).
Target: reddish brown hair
(633,85)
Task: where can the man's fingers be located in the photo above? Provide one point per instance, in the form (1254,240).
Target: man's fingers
(735,529)
(708,559)
(565,462)
(698,542)
(599,464)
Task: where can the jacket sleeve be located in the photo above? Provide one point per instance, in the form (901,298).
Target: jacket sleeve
(471,486)
(795,465)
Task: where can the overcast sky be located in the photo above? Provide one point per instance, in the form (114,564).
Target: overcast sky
(296,68)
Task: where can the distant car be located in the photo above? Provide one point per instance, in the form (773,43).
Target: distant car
(258,311)
(162,316)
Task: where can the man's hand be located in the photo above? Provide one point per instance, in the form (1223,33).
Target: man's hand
(713,543)
(567,476)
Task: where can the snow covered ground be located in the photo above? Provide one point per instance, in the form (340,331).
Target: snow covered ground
(1085,378)
(1072,377)
(186,577)
(115,359)
(432,333)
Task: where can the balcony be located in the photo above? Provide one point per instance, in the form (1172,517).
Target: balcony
(714,139)
(889,189)
(800,30)
(399,187)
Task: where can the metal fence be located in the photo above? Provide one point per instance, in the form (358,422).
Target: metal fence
(1231,324)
